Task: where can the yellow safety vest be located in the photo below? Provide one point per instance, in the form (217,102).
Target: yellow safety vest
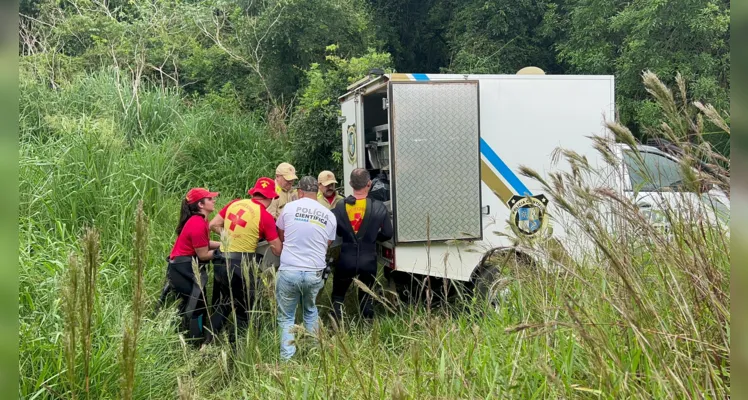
(242,224)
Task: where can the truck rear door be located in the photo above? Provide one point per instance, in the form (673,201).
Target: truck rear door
(435,147)
(350,131)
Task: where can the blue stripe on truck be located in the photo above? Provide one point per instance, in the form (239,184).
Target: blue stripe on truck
(420,77)
(503,170)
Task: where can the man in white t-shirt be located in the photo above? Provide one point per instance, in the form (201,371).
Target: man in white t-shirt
(306,229)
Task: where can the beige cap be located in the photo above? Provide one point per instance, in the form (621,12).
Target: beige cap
(287,171)
(326,177)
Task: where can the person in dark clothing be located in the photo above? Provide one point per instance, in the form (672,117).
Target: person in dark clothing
(361,222)
(193,245)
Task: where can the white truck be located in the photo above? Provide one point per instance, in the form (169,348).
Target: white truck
(450,146)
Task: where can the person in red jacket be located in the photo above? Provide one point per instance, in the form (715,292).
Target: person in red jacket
(193,245)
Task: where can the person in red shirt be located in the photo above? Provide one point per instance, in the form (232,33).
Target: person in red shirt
(242,223)
(193,245)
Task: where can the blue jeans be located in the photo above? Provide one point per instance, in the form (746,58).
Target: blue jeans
(290,288)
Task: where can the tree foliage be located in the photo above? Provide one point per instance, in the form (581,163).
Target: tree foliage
(315,130)
(623,38)
(415,32)
(500,37)
(273,57)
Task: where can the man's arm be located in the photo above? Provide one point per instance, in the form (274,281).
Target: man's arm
(332,229)
(338,221)
(214,245)
(216,224)
(385,230)
(278,226)
(272,232)
(273,208)
(276,246)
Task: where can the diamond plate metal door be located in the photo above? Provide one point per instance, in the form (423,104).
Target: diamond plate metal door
(436,165)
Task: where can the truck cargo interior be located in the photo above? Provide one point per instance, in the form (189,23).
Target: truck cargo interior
(377,141)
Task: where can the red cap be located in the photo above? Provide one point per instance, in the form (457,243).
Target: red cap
(197,194)
(266,187)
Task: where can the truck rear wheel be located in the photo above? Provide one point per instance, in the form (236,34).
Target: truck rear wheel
(404,285)
(412,289)
(494,274)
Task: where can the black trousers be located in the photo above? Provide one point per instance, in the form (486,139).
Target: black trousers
(231,292)
(341,280)
(192,304)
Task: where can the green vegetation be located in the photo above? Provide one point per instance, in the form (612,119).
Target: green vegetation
(79,170)
(642,318)
(264,56)
(123,102)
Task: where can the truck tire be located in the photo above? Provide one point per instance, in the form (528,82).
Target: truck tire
(494,274)
(402,284)
(413,289)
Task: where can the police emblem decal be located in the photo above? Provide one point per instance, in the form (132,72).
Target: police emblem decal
(352,143)
(527,214)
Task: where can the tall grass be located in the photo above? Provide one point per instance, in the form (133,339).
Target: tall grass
(639,312)
(78,170)
(130,338)
(651,305)
(87,303)
(70,318)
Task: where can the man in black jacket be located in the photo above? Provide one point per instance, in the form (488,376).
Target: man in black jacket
(361,222)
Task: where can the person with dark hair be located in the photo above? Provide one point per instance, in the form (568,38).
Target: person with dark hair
(307,229)
(244,222)
(193,245)
(361,222)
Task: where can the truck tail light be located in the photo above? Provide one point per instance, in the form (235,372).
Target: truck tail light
(389,254)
